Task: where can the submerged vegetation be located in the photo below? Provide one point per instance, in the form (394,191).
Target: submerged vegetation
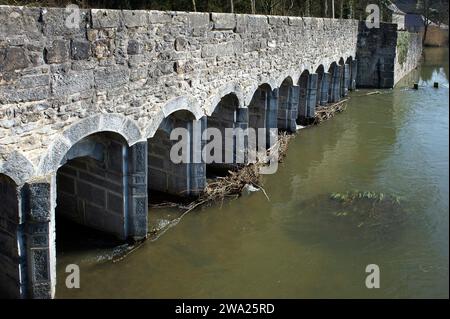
(352,218)
(324,113)
(349,197)
(363,209)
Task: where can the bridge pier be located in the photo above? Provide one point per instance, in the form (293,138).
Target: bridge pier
(308,97)
(320,72)
(27,233)
(13,282)
(325,87)
(353,75)
(263,114)
(312,95)
(40,245)
(272,117)
(346,79)
(335,89)
(288,106)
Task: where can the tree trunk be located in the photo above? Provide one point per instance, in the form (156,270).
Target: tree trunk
(194,6)
(425,32)
(332,4)
(232,6)
(325,8)
(253,5)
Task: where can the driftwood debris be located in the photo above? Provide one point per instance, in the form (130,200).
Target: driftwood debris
(324,113)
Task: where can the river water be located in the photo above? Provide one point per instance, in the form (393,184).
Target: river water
(302,244)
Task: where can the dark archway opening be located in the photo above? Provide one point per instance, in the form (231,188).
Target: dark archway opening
(302,118)
(320,78)
(91,214)
(11,240)
(288,106)
(263,113)
(334,88)
(226,137)
(173,172)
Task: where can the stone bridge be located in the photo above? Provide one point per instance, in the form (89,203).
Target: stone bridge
(87,102)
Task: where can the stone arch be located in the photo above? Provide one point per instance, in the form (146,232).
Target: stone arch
(181,103)
(332,66)
(187,103)
(230,88)
(115,123)
(353,70)
(269,83)
(15,166)
(289,75)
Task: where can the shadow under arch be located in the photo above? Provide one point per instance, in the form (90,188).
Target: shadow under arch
(175,167)
(262,116)
(181,103)
(232,88)
(320,78)
(288,105)
(12,237)
(303,95)
(228,122)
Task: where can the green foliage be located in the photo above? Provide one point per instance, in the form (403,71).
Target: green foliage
(402,46)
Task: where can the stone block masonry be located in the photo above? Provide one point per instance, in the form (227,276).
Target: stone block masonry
(134,63)
(408,53)
(385,55)
(85,110)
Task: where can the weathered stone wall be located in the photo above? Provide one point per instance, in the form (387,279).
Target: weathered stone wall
(139,66)
(385,55)
(407,54)
(376,55)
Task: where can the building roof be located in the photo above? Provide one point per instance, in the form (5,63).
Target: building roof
(406,6)
(395,9)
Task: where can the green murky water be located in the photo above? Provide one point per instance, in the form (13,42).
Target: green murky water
(302,244)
